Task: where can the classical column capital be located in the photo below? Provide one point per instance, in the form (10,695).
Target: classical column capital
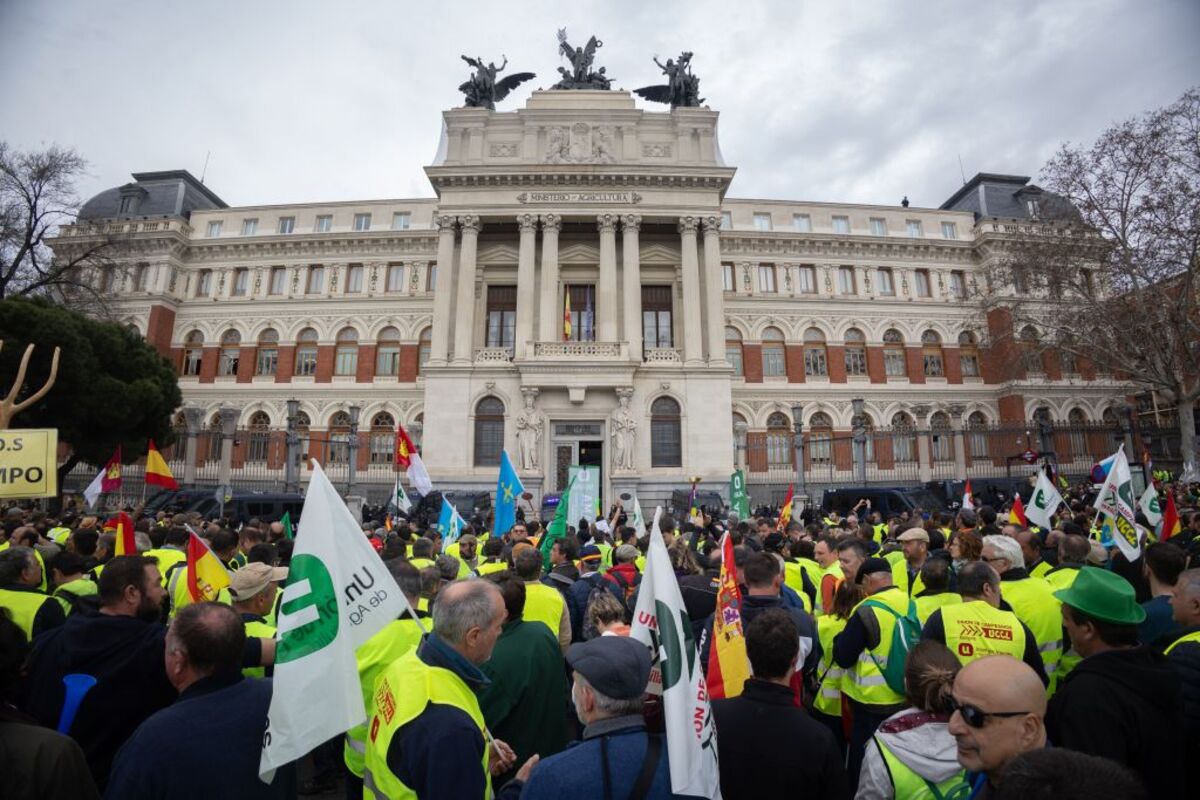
(688,224)
(606,223)
(551,222)
(470,222)
(444,222)
(712,225)
(527,222)
(631,222)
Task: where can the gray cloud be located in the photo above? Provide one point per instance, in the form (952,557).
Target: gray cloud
(847,102)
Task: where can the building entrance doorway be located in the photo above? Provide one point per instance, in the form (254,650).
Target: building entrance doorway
(579,443)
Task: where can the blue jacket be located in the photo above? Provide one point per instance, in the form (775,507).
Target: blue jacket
(206,745)
(577,772)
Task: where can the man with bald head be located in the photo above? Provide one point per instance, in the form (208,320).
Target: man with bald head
(1000,711)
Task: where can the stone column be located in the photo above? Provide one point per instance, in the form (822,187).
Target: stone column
(525,289)
(924,452)
(229,417)
(631,272)
(439,344)
(464,311)
(550,329)
(693,354)
(960,446)
(714,300)
(606,291)
(193,418)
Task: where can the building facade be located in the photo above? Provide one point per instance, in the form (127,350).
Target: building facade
(581,290)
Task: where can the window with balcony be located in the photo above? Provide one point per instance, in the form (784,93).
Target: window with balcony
(856,352)
(306,353)
(815,356)
(657,329)
(773,359)
(387,352)
(583,313)
(501,316)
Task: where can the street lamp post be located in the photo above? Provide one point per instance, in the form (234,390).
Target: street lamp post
(352,451)
(292,458)
(798,441)
(859,429)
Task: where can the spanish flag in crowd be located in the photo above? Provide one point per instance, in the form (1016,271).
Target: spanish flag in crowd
(785,513)
(157,471)
(567,316)
(728,664)
(1170,519)
(206,575)
(1017,514)
(126,544)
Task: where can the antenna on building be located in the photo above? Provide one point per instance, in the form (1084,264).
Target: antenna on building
(204,171)
(961,171)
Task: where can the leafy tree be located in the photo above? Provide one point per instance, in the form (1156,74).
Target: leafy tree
(112,389)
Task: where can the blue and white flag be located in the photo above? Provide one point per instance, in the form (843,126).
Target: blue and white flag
(450,523)
(508,489)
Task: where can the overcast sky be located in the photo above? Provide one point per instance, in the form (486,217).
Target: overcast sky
(819,100)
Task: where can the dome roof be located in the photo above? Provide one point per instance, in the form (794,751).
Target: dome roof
(175,193)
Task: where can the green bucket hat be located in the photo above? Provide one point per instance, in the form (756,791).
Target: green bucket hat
(1103,595)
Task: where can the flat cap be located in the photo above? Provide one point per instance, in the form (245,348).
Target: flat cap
(914,535)
(253,578)
(615,666)
(872,566)
(625,553)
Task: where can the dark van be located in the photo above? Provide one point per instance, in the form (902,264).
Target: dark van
(886,499)
(681,499)
(245,506)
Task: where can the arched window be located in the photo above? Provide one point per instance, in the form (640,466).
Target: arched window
(1043,414)
(266,359)
(815,362)
(387,349)
(346,359)
(931,350)
(820,438)
(489,432)
(940,436)
(772,353)
(968,354)
(1109,417)
(1031,358)
(424,347)
(193,351)
(339,438)
(306,352)
(666,440)
(779,440)
(258,437)
(894,363)
(904,448)
(231,342)
(733,349)
(856,352)
(977,437)
(383,438)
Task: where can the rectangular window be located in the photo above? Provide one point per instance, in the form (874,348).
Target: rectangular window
(733,354)
(970,365)
(774,365)
(126,205)
(249,227)
(856,360)
(841,224)
(762,222)
(387,359)
(354,279)
(727,277)
(949,230)
(766,278)
(395,277)
(883,280)
(894,365)
(191,361)
(814,361)
(726,221)
(656,316)
(846,280)
(362,222)
(204,283)
(583,313)
(501,316)
(808,280)
(958,284)
(878,226)
(228,364)
(921,278)
(306,359)
(345,360)
(278,280)
(267,361)
(802,223)
(914,228)
(140,276)
(933,365)
(431,278)
(241,278)
(316,280)
(324,223)
(214,229)
(1034,208)
(287,224)
(401,220)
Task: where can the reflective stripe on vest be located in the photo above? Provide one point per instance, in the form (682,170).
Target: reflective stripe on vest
(975,629)
(24,607)
(864,682)
(911,786)
(1191,637)
(829,698)
(375,655)
(1035,604)
(401,694)
(543,604)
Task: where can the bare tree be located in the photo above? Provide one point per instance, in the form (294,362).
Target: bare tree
(1112,279)
(37,197)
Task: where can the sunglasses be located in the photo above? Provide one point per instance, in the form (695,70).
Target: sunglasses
(976,717)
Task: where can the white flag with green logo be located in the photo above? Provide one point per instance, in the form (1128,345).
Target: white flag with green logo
(338,594)
(1149,505)
(400,497)
(1044,501)
(635,520)
(1115,502)
(661,622)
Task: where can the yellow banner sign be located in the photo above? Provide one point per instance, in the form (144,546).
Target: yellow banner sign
(29,463)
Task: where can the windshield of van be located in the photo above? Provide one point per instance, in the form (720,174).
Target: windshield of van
(925,499)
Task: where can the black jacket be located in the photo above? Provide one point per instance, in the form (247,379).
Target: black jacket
(1185,659)
(769,748)
(1124,705)
(752,606)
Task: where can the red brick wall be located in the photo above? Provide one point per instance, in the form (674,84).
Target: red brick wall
(1051,365)
(836,356)
(843,453)
(953,364)
(409,356)
(176,357)
(793,359)
(752,364)
(915,360)
(366,363)
(875,366)
(160,328)
(1001,360)
(1012,408)
(1087,370)
(325,354)
(286,364)
(208,364)
(246,359)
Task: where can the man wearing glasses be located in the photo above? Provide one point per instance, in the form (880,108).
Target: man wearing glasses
(999,712)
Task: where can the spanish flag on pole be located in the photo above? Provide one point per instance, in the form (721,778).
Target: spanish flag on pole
(1017,514)
(206,575)
(1170,519)
(728,664)
(122,524)
(567,315)
(157,471)
(785,511)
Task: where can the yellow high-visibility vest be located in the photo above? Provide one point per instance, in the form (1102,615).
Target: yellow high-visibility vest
(375,655)
(864,682)
(544,604)
(975,629)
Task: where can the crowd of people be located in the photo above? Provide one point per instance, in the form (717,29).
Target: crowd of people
(926,654)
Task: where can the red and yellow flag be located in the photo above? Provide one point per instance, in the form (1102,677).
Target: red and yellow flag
(206,575)
(126,544)
(785,512)
(1017,514)
(111,482)
(728,664)
(1170,519)
(404,448)
(157,471)
(567,315)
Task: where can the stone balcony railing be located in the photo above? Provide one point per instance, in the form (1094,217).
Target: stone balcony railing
(663,355)
(123,227)
(493,355)
(595,351)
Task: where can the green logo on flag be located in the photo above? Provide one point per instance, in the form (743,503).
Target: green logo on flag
(1039,499)
(317,610)
(673,648)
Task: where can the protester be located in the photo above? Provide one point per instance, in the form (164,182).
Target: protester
(1054,773)
(936,575)
(827,703)
(34,611)
(906,572)
(223,713)
(1184,653)
(542,603)
(766,712)
(1122,701)
(1161,564)
(253,589)
(1031,599)
(826,555)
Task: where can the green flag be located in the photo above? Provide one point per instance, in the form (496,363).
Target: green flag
(286,522)
(557,528)
(739,501)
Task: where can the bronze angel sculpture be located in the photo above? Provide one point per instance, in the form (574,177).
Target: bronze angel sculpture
(483,90)
(682,87)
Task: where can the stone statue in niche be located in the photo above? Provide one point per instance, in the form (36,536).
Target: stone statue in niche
(530,426)
(624,435)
